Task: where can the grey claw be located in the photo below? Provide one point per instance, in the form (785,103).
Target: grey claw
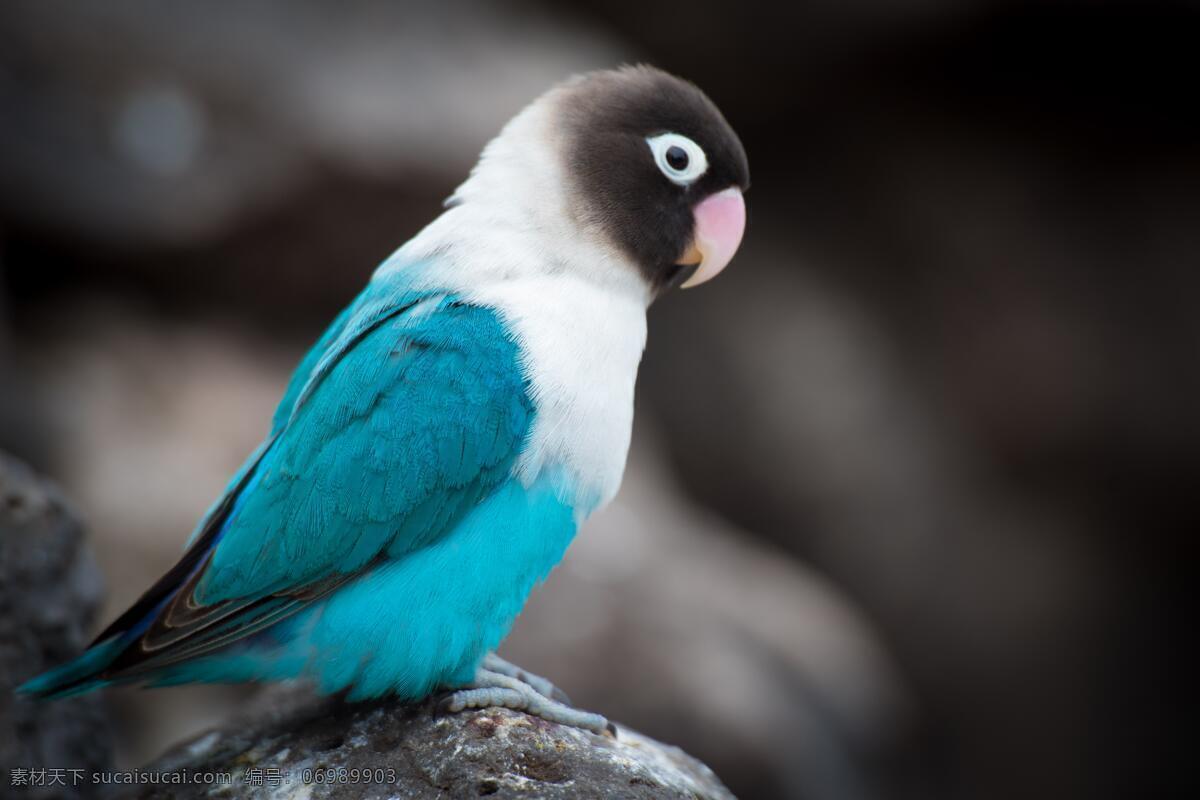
(544,687)
(493,689)
(441,705)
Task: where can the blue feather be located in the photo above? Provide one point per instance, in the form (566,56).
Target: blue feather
(74,677)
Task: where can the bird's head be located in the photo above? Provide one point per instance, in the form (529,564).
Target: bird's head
(633,158)
(653,163)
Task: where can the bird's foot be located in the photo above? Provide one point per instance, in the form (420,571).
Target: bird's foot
(493,689)
(494,663)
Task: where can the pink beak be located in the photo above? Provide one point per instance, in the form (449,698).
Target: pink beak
(720,222)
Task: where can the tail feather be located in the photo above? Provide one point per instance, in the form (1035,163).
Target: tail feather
(77,676)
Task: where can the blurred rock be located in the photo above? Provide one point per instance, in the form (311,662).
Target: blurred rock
(49,592)
(290,736)
(142,123)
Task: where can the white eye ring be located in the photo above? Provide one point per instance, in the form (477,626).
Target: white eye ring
(695,166)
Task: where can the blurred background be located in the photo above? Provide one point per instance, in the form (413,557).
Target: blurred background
(905,510)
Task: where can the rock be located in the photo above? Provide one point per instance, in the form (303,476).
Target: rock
(297,745)
(49,592)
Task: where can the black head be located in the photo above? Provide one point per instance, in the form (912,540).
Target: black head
(636,141)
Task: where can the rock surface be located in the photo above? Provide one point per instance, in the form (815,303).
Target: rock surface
(292,744)
(49,592)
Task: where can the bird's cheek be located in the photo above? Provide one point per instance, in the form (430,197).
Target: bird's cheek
(720,221)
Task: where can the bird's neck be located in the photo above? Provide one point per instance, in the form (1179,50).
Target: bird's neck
(513,218)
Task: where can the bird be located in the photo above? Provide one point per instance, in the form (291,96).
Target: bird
(437,449)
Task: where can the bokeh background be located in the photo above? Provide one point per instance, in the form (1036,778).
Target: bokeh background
(906,507)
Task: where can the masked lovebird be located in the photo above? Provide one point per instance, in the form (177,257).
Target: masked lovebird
(437,449)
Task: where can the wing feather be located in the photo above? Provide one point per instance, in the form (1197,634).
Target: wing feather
(415,410)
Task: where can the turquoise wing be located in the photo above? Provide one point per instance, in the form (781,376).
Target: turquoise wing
(410,411)
(394,439)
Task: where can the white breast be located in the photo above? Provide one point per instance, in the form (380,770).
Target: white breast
(581,345)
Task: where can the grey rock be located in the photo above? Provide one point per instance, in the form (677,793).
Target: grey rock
(49,592)
(293,744)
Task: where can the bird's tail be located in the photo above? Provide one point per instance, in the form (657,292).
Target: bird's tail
(76,676)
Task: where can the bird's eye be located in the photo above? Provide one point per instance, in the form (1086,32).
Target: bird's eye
(678,157)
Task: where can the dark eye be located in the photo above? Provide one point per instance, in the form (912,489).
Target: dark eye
(677,157)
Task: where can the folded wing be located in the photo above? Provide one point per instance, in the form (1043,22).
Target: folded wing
(408,413)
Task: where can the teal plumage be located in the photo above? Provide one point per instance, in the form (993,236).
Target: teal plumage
(377,541)
(414,411)
(416,623)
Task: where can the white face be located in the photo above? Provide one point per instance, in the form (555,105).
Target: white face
(678,157)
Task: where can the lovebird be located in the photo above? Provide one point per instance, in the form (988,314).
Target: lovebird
(437,449)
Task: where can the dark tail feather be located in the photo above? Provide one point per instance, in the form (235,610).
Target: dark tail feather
(112,657)
(77,676)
